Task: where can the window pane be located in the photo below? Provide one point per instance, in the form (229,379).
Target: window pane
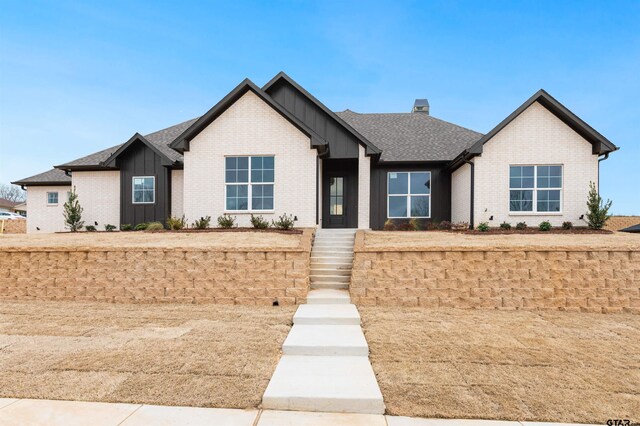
(148,183)
(232,203)
(268,190)
(419,206)
(243,163)
(548,201)
(555,182)
(398,183)
(137,184)
(242,176)
(267,163)
(397,206)
(137,196)
(242,190)
(230,176)
(147,196)
(256,175)
(232,190)
(515,171)
(256,203)
(527,171)
(231,163)
(420,183)
(243,204)
(267,203)
(257,191)
(256,163)
(267,176)
(520,201)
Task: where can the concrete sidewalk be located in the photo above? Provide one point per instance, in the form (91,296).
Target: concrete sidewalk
(35,412)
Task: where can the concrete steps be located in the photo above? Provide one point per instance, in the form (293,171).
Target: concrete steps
(325,364)
(341,384)
(326,340)
(328,296)
(327,315)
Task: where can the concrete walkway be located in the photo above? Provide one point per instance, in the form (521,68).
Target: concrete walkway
(325,363)
(37,412)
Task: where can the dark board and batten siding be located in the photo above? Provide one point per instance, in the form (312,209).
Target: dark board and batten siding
(341,143)
(440,190)
(140,160)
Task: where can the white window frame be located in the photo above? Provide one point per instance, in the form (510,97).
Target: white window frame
(133,190)
(249,184)
(535,189)
(57,198)
(408,195)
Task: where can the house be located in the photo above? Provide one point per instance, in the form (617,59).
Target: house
(8,206)
(277,149)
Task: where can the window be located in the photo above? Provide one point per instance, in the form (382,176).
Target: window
(249,183)
(144,190)
(408,194)
(535,188)
(336,196)
(52,198)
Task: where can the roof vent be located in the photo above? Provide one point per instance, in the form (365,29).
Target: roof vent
(421,105)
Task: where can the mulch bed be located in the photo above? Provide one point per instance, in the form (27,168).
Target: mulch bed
(499,231)
(194,230)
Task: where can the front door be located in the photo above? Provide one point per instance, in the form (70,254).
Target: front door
(340,194)
(337,217)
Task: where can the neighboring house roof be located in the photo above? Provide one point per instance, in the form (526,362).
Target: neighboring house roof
(160,140)
(182,142)
(371,149)
(413,136)
(634,228)
(21,207)
(48,178)
(7,203)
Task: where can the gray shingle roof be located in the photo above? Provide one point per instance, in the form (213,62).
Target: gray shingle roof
(160,139)
(411,136)
(53,176)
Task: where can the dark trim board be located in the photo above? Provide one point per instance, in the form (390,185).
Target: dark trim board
(440,190)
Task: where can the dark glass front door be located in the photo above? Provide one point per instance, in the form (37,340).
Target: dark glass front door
(337,208)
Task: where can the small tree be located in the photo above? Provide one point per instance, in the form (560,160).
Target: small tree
(73,212)
(598,211)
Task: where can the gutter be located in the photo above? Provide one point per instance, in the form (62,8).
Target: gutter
(472,190)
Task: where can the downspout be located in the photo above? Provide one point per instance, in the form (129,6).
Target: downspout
(472,190)
(606,155)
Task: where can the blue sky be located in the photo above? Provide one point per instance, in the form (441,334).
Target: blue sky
(77,77)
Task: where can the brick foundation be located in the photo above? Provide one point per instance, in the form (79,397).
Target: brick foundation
(571,279)
(150,275)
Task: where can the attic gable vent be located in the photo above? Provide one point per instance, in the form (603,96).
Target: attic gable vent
(421,105)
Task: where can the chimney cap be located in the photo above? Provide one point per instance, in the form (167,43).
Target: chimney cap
(421,105)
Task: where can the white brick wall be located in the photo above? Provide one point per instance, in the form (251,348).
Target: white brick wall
(535,137)
(177,193)
(251,127)
(48,218)
(99,195)
(364,188)
(461,194)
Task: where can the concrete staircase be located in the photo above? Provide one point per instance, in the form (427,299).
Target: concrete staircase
(325,364)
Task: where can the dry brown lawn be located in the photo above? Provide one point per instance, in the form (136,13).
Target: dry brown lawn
(215,240)
(195,355)
(518,365)
(436,240)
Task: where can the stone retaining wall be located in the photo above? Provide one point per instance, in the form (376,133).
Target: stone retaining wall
(18,226)
(571,279)
(148,275)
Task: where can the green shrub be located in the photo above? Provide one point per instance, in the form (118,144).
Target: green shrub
(284,222)
(155,226)
(414,224)
(544,226)
(389,225)
(598,211)
(109,228)
(567,225)
(505,225)
(126,227)
(90,228)
(73,212)
(226,221)
(175,224)
(202,223)
(483,227)
(521,225)
(445,224)
(259,222)
(141,226)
